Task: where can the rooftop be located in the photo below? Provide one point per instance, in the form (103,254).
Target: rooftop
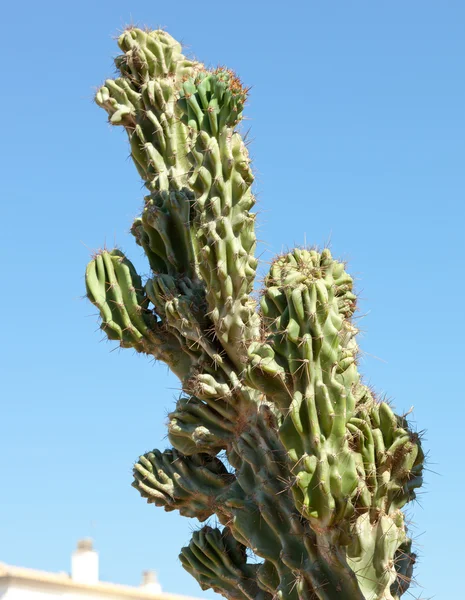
(84,578)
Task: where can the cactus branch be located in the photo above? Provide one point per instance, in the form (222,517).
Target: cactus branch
(314,468)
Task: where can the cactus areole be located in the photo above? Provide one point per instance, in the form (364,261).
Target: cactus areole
(275,437)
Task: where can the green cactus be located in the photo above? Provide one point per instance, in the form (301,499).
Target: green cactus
(275,434)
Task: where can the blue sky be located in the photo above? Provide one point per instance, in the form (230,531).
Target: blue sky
(358,128)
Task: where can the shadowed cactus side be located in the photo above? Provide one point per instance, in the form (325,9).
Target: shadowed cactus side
(318,469)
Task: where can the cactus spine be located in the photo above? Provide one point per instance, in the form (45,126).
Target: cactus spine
(318,468)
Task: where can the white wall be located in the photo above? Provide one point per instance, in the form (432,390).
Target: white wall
(26,592)
(43,591)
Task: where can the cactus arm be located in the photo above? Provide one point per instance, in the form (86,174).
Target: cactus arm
(177,216)
(308,300)
(309,370)
(219,562)
(199,426)
(143,101)
(114,287)
(306,307)
(389,454)
(191,484)
(212,105)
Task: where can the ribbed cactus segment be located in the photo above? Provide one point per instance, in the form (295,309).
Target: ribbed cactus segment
(143,100)
(116,289)
(181,302)
(379,555)
(193,485)
(306,363)
(404,560)
(164,233)
(212,104)
(388,454)
(212,101)
(179,119)
(218,561)
(314,468)
(200,426)
(306,307)
(152,55)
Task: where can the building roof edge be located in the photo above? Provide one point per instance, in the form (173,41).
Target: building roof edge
(102,587)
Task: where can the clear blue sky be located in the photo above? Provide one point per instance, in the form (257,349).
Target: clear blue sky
(358,127)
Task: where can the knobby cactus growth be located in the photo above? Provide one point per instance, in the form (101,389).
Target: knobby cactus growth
(274,434)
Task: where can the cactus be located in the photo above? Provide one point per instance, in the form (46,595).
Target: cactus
(274,435)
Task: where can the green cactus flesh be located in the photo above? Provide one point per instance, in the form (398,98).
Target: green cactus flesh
(274,434)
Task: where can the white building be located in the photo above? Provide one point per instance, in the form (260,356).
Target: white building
(17,583)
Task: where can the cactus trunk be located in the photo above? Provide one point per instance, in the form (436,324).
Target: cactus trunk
(275,433)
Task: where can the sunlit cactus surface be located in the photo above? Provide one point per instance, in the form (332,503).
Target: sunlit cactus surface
(300,470)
